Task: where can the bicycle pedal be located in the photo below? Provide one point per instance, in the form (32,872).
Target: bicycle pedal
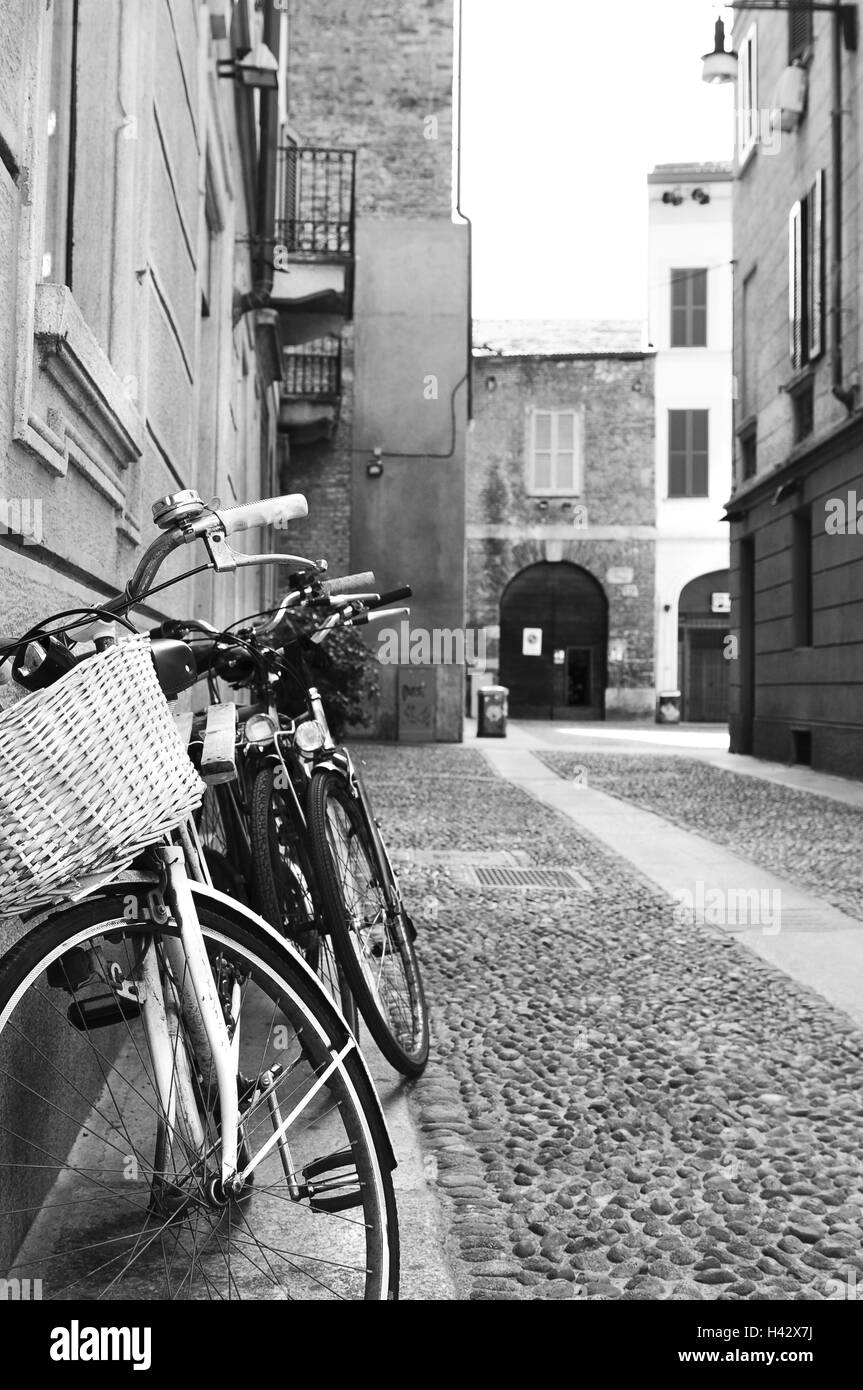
(102,1011)
(337,1201)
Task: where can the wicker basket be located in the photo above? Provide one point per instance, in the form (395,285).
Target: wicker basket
(92,770)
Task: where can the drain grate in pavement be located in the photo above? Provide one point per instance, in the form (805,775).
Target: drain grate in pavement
(494,876)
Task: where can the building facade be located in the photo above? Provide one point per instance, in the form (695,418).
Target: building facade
(796,551)
(128,191)
(689,326)
(561,534)
(375,309)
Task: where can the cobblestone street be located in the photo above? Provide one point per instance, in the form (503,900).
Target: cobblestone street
(618,1105)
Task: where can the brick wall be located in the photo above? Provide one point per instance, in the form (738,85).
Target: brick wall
(378,77)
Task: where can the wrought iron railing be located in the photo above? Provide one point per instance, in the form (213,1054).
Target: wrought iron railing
(313,370)
(315,210)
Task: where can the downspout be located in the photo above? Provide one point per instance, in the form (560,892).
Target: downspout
(846,395)
(265,188)
(466,220)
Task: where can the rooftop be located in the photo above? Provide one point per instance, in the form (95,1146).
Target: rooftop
(556,337)
(717,172)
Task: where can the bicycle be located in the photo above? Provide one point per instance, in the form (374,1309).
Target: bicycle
(321,870)
(248,823)
(311,822)
(185,1109)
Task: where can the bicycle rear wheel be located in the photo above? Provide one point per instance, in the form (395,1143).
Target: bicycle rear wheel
(368,924)
(104,1193)
(283,891)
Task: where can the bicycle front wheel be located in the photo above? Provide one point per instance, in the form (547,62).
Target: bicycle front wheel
(282,888)
(108,1193)
(365,916)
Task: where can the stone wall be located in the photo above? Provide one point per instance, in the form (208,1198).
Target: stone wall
(607,525)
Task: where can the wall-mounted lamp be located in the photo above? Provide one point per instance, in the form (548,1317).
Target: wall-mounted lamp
(673,196)
(256,68)
(718,67)
(786,490)
(375,467)
(491,383)
(699,196)
(566,506)
(542,505)
(666,608)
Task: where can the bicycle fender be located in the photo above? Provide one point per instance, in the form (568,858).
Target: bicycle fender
(245,917)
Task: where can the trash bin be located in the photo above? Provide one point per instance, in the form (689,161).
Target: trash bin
(491,712)
(668,707)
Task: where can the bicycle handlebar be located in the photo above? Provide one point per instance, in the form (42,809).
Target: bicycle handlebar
(270,511)
(348,584)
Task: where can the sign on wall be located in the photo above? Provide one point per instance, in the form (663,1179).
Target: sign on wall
(619,574)
(559,656)
(531,641)
(720,603)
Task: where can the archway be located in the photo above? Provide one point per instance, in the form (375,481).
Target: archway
(702,626)
(553,642)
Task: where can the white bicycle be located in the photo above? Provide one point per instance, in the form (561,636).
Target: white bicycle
(185,1112)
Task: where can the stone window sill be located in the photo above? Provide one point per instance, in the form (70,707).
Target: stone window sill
(92,401)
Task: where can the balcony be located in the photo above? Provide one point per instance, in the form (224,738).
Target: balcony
(313,279)
(311,389)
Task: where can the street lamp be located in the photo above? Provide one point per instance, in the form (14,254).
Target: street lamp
(257,68)
(719,66)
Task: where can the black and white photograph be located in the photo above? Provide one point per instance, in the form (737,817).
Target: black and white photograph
(431,669)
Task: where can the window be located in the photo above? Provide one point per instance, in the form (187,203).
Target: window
(689,308)
(212,226)
(749,340)
(556,451)
(687,453)
(749,453)
(803,406)
(801,577)
(806,275)
(747,95)
(799,33)
(60,181)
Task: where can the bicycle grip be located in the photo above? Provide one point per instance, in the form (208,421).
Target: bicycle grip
(349,584)
(392,596)
(270,511)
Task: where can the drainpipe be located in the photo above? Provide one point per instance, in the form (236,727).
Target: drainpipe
(847,395)
(265,187)
(460,29)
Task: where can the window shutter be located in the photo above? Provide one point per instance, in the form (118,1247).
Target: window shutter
(795,284)
(815,266)
(747,93)
(799,33)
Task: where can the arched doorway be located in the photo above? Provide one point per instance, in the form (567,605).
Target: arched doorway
(702,626)
(553,642)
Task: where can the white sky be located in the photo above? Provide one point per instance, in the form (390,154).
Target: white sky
(566,106)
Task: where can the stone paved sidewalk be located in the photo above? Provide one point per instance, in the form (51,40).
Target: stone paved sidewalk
(616,1106)
(814,841)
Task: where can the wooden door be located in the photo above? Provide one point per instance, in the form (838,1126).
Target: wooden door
(562,675)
